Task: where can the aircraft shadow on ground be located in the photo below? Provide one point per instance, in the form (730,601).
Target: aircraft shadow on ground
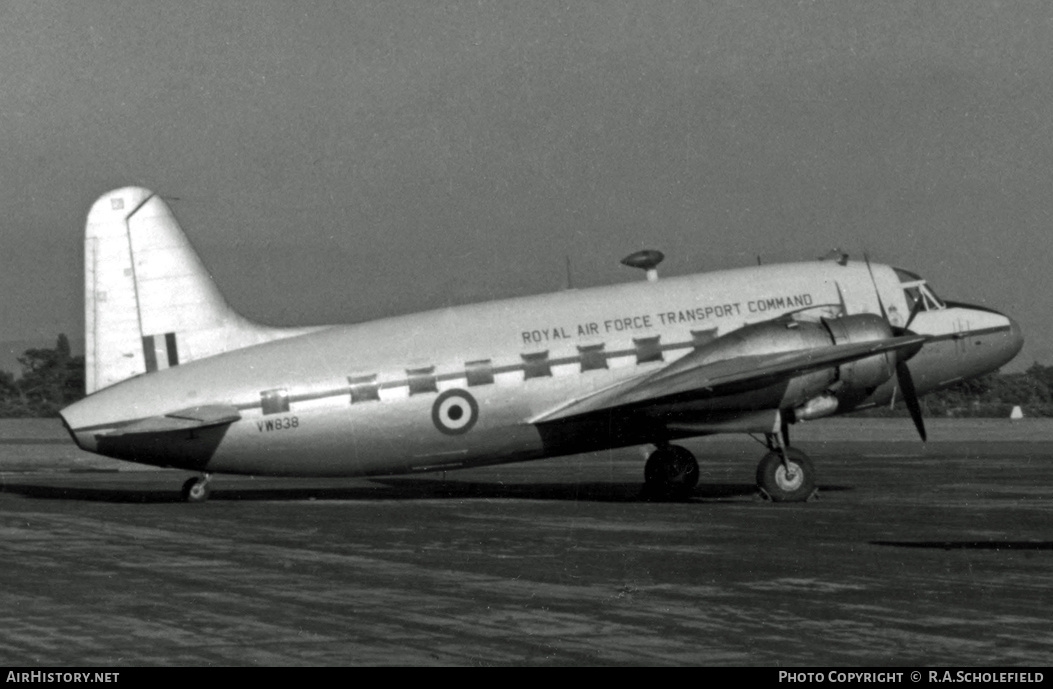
(393,489)
(969,545)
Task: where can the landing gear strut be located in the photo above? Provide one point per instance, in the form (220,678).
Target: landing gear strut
(197,488)
(785,474)
(671,472)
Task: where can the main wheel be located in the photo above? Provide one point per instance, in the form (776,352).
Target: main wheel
(195,490)
(671,470)
(792,481)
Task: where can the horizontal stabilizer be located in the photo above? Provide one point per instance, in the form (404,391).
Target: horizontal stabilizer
(692,376)
(204,416)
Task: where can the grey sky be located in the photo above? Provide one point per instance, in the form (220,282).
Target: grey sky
(337,161)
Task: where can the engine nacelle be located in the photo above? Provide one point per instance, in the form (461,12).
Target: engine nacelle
(809,395)
(772,337)
(859,378)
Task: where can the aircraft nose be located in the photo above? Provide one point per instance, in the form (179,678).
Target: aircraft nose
(1015,339)
(1010,342)
(997,337)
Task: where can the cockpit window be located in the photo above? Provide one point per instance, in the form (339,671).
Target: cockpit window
(930,295)
(917,291)
(913,295)
(907,276)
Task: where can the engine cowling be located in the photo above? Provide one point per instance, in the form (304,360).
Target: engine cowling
(863,375)
(855,380)
(770,337)
(809,395)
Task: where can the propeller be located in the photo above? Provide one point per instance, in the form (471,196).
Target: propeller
(913,312)
(910,396)
(903,375)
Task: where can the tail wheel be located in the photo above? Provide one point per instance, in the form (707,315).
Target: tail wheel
(789,481)
(671,470)
(196,490)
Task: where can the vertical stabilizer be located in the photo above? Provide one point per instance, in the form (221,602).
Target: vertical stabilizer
(149,302)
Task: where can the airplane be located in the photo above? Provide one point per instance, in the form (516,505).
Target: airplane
(178,379)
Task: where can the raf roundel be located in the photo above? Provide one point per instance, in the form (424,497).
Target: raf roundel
(455,412)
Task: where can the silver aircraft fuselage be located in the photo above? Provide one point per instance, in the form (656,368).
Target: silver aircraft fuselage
(459,387)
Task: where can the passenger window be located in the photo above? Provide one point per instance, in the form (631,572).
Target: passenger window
(702,337)
(275,401)
(421,380)
(536,365)
(479,372)
(592,357)
(364,389)
(647,349)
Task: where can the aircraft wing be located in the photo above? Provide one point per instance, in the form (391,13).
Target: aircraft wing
(203,416)
(693,376)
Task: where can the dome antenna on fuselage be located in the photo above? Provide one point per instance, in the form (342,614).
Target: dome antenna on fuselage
(837,255)
(648,260)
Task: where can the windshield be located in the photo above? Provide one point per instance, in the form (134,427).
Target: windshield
(919,295)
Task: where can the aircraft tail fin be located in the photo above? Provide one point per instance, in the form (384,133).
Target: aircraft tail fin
(149,302)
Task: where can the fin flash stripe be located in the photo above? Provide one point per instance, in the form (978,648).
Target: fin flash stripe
(169,355)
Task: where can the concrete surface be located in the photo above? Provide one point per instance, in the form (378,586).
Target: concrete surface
(912,555)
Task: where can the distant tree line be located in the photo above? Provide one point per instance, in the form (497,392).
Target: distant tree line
(53,378)
(993,395)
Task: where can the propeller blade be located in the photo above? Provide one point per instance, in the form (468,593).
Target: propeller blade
(903,376)
(913,312)
(841,301)
(877,292)
(910,397)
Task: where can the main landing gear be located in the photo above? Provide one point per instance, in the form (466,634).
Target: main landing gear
(785,474)
(671,472)
(197,489)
